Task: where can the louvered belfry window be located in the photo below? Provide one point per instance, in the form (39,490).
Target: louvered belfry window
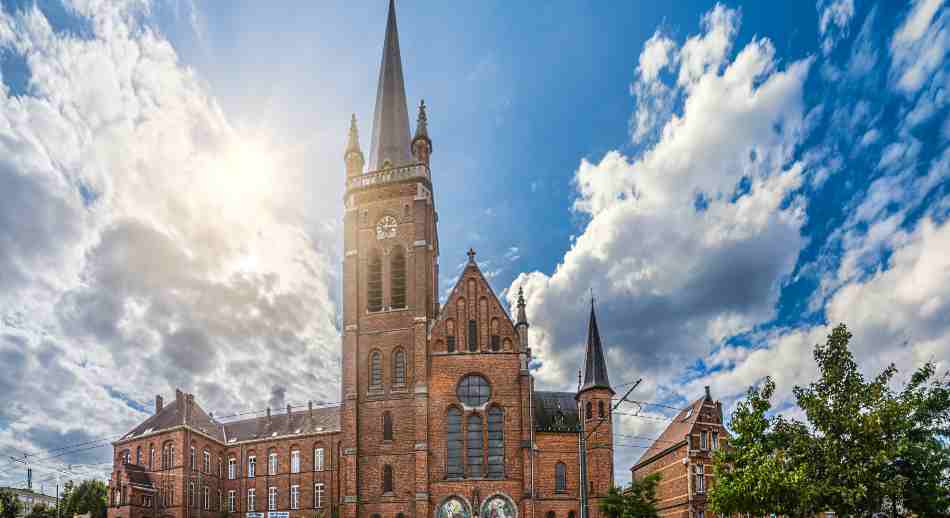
(453,443)
(474,449)
(496,443)
(374,282)
(398,279)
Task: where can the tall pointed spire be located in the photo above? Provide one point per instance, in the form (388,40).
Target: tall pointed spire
(391,120)
(595,367)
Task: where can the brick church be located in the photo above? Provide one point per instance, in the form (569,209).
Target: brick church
(438,415)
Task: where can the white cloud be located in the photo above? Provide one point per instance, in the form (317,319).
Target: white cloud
(919,46)
(834,17)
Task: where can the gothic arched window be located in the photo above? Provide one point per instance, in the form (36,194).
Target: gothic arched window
(376,370)
(600,409)
(560,478)
(450,335)
(374,282)
(589,411)
(496,443)
(397,273)
(474,451)
(399,368)
(387,479)
(495,339)
(453,443)
(387,426)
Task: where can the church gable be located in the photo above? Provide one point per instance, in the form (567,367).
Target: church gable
(473,319)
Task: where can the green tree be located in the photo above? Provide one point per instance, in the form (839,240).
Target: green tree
(42,511)
(90,496)
(637,501)
(862,448)
(9,505)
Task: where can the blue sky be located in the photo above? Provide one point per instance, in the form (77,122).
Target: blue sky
(730,179)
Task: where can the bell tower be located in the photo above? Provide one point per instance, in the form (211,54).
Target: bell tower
(594,411)
(390,278)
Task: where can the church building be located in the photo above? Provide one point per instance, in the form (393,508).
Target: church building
(438,415)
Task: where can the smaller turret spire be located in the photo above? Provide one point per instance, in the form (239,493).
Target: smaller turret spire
(421,143)
(353,155)
(353,142)
(595,366)
(522,319)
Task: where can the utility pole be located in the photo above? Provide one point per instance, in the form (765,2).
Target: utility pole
(582,444)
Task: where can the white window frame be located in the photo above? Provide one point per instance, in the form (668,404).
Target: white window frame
(318,459)
(715,440)
(194,459)
(272,463)
(232,496)
(295,461)
(252,499)
(272,498)
(206,459)
(318,490)
(207,499)
(703,440)
(232,468)
(699,478)
(295,497)
(251,466)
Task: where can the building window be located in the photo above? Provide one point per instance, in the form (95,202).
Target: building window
(589,412)
(715,440)
(207,498)
(147,501)
(318,459)
(474,446)
(232,496)
(473,390)
(472,336)
(251,499)
(387,426)
(550,514)
(232,468)
(376,370)
(318,491)
(194,460)
(151,457)
(703,444)
(138,455)
(387,479)
(496,443)
(700,479)
(453,443)
(295,461)
(374,282)
(600,409)
(560,478)
(272,463)
(294,497)
(399,368)
(251,465)
(397,272)
(450,336)
(495,339)
(206,465)
(191,494)
(272,499)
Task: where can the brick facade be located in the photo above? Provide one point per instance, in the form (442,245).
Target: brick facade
(387,446)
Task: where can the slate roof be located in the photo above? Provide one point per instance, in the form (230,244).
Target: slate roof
(391,118)
(555,412)
(595,366)
(676,431)
(324,419)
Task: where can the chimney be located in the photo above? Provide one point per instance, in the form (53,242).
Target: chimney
(189,403)
(310,408)
(268,413)
(288,409)
(159,403)
(707,393)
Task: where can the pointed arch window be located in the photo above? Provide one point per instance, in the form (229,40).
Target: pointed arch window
(387,426)
(600,409)
(496,443)
(397,272)
(474,451)
(374,282)
(399,368)
(450,335)
(376,370)
(387,479)
(453,443)
(472,336)
(560,478)
(590,412)
(495,339)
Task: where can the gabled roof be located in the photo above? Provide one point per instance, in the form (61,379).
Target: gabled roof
(391,118)
(555,412)
(595,366)
(182,411)
(471,268)
(676,431)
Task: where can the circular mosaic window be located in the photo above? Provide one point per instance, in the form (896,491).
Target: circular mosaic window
(498,506)
(474,390)
(453,508)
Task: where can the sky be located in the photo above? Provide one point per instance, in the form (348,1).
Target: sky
(730,180)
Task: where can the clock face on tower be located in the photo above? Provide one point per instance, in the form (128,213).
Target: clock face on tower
(386,227)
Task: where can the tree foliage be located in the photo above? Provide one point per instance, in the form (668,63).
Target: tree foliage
(637,501)
(862,448)
(9,505)
(90,496)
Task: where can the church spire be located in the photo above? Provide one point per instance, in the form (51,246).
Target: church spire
(353,155)
(595,368)
(390,142)
(421,143)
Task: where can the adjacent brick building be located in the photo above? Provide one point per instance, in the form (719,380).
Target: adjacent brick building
(438,417)
(682,455)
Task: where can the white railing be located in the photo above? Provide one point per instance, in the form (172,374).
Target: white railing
(382,176)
